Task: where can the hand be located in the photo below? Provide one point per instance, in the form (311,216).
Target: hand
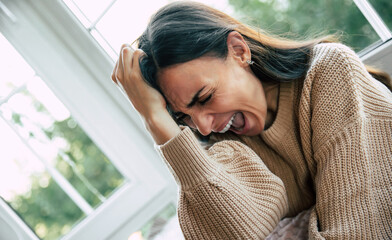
(146,100)
(127,74)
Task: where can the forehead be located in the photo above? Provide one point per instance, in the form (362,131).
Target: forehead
(179,83)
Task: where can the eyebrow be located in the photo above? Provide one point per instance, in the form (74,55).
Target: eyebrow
(195,98)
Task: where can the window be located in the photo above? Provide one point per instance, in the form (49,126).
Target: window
(383,8)
(115,22)
(355,22)
(80,148)
(309,18)
(50,161)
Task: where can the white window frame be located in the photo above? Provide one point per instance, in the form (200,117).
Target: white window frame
(78,71)
(374,19)
(11,226)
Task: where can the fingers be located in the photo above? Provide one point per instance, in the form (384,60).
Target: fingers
(118,67)
(136,56)
(127,59)
(114,73)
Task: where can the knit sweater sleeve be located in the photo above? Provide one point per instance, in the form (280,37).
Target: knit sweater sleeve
(351,119)
(225,192)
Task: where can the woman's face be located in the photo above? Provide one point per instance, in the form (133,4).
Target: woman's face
(216,95)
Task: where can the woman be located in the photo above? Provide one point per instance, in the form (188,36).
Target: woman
(296,125)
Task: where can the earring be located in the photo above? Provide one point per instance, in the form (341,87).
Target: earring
(250,62)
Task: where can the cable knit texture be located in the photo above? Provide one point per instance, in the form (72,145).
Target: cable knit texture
(329,150)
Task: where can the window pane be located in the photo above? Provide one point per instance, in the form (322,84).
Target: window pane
(304,18)
(384,9)
(31,191)
(126,21)
(12,63)
(57,137)
(51,172)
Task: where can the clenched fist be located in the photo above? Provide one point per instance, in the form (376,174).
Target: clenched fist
(149,103)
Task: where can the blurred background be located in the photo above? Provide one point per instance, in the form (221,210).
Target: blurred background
(75,162)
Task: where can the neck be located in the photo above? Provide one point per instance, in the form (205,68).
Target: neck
(271,91)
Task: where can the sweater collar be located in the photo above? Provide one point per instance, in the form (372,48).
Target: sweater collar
(283,121)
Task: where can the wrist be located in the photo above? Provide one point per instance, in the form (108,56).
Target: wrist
(161,126)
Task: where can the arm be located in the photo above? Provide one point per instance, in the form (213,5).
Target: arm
(226,192)
(148,102)
(352,129)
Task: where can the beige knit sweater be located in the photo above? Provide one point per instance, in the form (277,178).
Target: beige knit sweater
(329,149)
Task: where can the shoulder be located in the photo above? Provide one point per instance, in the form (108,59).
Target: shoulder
(335,67)
(338,90)
(327,50)
(330,94)
(331,47)
(332,67)
(332,56)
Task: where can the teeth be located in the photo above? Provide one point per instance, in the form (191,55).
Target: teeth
(228,125)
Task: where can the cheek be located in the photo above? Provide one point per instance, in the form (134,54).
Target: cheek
(223,103)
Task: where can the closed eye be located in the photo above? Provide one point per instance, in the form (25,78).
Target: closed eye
(206,100)
(185,120)
(179,116)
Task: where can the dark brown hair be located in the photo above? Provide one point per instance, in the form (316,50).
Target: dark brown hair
(183,31)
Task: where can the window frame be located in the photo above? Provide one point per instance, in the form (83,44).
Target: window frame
(374,19)
(12,226)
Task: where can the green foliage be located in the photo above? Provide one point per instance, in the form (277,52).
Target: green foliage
(46,208)
(302,19)
(89,160)
(16,119)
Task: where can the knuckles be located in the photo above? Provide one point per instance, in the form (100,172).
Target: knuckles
(124,45)
(127,52)
(114,75)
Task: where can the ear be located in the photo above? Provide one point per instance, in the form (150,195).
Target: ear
(238,48)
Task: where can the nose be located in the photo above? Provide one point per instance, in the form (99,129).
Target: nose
(203,122)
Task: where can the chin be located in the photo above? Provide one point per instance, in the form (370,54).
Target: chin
(253,133)
(255,128)
(251,128)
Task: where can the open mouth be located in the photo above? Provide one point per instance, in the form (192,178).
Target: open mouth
(236,123)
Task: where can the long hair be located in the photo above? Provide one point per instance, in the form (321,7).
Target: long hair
(183,31)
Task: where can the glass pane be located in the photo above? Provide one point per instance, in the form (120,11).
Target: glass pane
(31,191)
(118,26)
(59,172)
(50,130)
(305,18)
(126,21)
(384,9)
(12,63)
